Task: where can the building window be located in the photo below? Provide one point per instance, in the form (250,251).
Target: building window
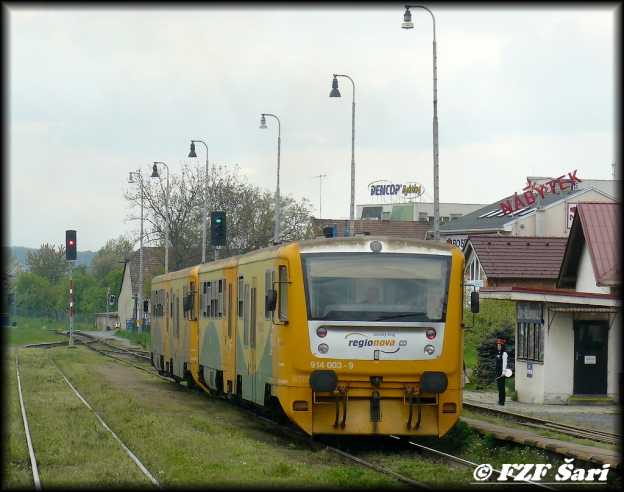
(423,216)
(530,331)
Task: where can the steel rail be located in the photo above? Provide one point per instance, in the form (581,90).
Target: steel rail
(31,451)
(360,461)
(575,431)
(463,461)
(132,456)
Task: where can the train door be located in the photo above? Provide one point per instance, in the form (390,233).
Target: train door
(252,341)
(239,339)
(229,362)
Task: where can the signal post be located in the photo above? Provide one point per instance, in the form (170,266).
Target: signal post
(71,255)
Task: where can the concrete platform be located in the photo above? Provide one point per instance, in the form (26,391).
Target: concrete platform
(579,451)
(601,417)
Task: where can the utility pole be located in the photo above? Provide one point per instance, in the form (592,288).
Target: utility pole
(320,178)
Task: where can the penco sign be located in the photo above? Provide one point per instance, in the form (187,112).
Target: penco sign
(532,190)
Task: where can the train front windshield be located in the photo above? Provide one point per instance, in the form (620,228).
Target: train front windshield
(376,287)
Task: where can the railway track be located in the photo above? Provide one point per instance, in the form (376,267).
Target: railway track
(571,430)
(31,451)
(287,429)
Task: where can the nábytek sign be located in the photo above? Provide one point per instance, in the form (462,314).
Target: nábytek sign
(532,189)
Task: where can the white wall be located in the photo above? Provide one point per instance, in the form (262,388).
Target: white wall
(558,357)
(529,389)
(125,305)
(586,280)
(614,357)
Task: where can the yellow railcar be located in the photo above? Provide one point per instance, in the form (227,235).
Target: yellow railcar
(355,335)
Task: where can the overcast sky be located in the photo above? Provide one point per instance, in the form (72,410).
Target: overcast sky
(95,93)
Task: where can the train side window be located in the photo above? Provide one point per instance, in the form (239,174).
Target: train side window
(283,293)
(192,293)
(203,300)
(240,295)
(220,307)
(213,300)
(246,316)
(269,278)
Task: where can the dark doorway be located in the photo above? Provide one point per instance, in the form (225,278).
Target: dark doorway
(590,357)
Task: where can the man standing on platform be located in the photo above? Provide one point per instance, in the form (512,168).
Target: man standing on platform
(501,369)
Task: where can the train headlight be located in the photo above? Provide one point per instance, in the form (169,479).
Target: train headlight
(429,349)
(323,348)
(431,333)
(321,331)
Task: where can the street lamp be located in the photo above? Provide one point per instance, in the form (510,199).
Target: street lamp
(131,179)
(336,93)
(263,125)
(156,175)
(408,24)
(193,154)
(320,178)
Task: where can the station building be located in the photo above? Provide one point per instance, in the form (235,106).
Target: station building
(568,336)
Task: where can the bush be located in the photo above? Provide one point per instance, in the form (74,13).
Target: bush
(485,371)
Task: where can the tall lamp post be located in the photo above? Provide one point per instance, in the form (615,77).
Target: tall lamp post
(336,93)
(131,179)
(193,154)
(156,175)
(408,24)
(320,178)
(263,125)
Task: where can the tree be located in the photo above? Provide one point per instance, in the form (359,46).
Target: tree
(110,257)
(249,210)
(48,262)
(34,295)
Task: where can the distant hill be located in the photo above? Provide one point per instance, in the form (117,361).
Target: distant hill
(21,252)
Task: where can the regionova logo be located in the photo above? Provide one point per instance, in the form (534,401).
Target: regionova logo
(362,340)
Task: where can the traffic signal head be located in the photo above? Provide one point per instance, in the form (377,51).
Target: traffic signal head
(217,228)
(70,245)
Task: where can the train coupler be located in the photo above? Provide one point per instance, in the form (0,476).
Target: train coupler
(375,407)
(341,397)
(411,396)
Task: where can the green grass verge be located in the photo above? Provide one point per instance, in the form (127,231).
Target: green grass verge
(35,330)
(143,339)
(184,438)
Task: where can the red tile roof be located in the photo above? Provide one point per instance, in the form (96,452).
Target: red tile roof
(518,257)
(395,228)
(600,227)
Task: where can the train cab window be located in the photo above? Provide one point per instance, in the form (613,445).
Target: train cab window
(283,293)
(240,295)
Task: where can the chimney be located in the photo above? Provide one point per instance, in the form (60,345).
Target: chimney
(539,217)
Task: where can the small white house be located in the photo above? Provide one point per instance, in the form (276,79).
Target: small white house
(568,338)
(153,264)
